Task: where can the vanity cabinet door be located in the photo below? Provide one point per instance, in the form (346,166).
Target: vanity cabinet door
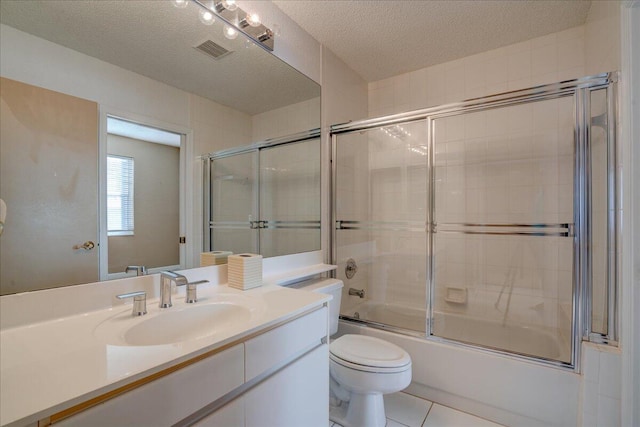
(275,347)
(171,398)
(230,415)
(295,396)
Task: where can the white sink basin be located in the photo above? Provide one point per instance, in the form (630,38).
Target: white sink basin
(182,322)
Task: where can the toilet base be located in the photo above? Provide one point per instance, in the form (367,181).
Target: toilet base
(363,410)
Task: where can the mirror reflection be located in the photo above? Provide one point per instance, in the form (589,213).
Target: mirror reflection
(265,200)
(137,61)
(143,206)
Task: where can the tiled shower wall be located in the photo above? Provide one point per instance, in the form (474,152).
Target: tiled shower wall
(548,59)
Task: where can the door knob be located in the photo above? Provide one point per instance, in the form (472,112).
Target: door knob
(87,246)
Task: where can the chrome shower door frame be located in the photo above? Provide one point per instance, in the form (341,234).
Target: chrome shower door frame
(579,89)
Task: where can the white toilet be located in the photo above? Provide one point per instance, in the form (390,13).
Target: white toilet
(362,368)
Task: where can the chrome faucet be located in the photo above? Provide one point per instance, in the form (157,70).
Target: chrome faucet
(166,279)
(169,277)
(140,270)
(139,302)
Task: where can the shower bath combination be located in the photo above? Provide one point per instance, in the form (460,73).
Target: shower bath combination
(470,222)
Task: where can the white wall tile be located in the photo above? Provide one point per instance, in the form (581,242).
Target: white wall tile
(608,411)
(546,59)
(609,374)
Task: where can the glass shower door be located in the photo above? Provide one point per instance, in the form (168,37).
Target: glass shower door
(503,245)
(380,240)
(290,198)
(234,203)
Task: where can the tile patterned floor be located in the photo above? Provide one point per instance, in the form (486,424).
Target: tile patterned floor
(404,410)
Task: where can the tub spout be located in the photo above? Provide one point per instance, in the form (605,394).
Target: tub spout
(358,292)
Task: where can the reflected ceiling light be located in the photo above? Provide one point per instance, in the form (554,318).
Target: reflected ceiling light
(229,13)
(253,19)
(181,4)
(230,32)
(206,17)
(229,4)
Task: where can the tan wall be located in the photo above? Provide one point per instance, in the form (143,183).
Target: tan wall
(156,206)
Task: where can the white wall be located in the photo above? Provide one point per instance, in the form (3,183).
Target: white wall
(288,120)
(601,386)
(33,60)
(630,174)
(546,59)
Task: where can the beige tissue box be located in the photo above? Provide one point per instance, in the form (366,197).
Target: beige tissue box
(244,271)
(214,258)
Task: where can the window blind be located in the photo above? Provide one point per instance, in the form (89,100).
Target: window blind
(120,195)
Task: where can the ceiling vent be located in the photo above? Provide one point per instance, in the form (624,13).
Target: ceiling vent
(212,49)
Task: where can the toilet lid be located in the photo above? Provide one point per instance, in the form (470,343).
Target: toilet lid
(369,351)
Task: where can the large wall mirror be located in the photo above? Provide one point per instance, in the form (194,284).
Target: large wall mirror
(53,146)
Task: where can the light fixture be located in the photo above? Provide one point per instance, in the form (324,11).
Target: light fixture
(181,4)
(253,19)
(235,20)
(206,17)
(230,32)
(229,4)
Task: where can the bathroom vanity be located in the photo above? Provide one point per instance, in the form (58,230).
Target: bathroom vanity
(260,348)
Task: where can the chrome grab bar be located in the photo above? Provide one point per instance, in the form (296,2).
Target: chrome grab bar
(270,224)
(518,229)
(291,224)
(381,225)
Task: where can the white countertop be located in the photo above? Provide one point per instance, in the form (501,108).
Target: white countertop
(50,366)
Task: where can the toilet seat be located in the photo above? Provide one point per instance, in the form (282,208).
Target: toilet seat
(369,354)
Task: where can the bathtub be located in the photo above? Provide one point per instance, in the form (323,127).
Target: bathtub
(497,386)
(513,337)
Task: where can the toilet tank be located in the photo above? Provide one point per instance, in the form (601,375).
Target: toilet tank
(325,286)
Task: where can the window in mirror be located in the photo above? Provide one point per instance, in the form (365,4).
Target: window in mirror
(120,195)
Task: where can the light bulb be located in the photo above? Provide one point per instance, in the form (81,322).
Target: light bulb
(230,32)
(206,17)
(230,4)
(181,4)
(253,19)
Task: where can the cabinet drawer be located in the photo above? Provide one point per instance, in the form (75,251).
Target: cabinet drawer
(283,343)
(171,398)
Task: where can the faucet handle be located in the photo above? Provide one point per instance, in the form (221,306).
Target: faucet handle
(139,302)
(192,295)
(140,270)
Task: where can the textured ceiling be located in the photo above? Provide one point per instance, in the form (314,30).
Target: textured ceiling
(380,39)
(155,39)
